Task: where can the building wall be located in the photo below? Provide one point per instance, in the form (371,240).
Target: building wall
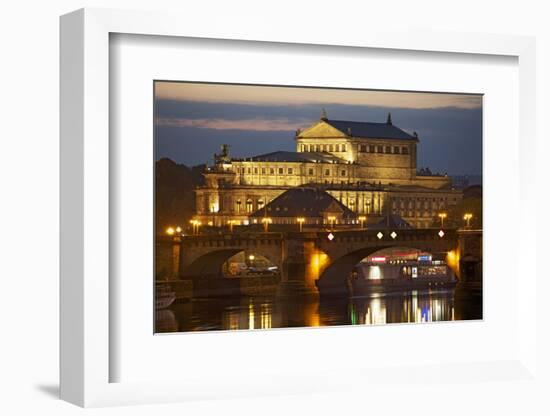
(257,173)
(293,173)
(418,207)
(387,158)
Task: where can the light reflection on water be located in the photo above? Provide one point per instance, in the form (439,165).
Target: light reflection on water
(263,312)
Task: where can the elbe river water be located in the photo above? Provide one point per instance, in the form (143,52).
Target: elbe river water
(270,312)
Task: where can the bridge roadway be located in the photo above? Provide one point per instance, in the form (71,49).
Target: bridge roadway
(310,262)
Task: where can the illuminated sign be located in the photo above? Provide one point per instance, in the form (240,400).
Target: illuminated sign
(425,257)
(330,237)
(414,272)
(378,259)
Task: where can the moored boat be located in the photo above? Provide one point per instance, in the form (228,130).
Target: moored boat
(367,278)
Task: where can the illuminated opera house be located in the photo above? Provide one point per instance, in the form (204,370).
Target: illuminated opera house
(349,172)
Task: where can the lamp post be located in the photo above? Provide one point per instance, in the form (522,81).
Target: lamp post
(266,221)
(442,216)
(196,224)
(170,231)
(467,218)
(300,221)
(332,220)
(362,220)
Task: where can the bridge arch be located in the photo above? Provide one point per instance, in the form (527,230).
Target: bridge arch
(209,264)
(334,278)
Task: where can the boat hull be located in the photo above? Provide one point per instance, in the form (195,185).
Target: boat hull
(365,287)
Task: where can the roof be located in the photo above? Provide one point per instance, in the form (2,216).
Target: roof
(283,156)
(304,202)
(391,221)
(371,130)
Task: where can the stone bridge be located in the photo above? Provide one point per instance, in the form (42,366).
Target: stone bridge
(310,262)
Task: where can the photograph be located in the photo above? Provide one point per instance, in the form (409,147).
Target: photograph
(288,206)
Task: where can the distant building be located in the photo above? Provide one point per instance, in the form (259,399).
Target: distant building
(369,168)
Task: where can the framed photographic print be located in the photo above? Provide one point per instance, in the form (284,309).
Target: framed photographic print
(237,209)
(304,219)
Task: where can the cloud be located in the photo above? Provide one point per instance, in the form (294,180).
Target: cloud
(255,124)
(299,96)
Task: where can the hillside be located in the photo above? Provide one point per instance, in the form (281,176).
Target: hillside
(174,196)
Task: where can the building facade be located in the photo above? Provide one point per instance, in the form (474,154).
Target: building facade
(369,167)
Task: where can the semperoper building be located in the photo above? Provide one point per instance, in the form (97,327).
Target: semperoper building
(370,168)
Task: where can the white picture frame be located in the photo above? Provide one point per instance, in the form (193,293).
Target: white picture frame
(86,356)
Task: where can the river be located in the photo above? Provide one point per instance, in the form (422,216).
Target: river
(271,312)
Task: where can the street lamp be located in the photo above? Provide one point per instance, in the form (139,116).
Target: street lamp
(362,220)
(332,219)
(266,221)
(467,218)
(301,221)
(178,229)
(442,215)
(170,231)
(196,224)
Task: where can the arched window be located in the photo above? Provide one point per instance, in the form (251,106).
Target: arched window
(249,205)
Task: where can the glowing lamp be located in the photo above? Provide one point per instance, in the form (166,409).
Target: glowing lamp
(378,259)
